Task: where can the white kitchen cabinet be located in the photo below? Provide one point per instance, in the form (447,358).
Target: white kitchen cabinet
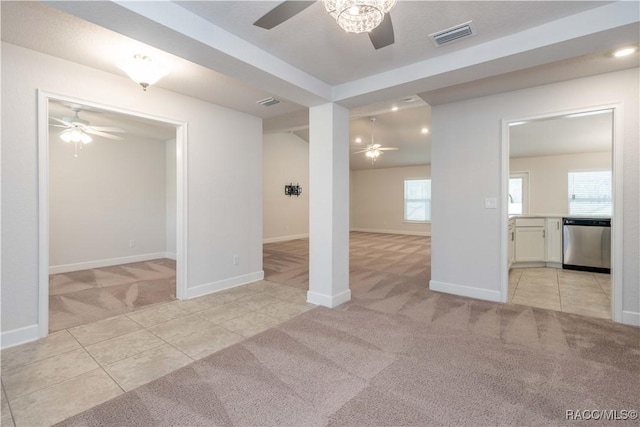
(553,235)
(530,240)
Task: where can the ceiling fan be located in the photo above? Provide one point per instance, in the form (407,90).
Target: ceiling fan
(373,150)
(346,13)
(75,127)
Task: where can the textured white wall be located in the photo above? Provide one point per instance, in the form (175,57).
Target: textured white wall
(548,178)
(377,199)
(113,192)
(286,160)
(466,162)
(224,156)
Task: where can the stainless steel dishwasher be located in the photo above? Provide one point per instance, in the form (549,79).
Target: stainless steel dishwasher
(586,244)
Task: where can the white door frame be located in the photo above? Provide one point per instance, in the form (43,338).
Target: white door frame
(616,219)
(43,197)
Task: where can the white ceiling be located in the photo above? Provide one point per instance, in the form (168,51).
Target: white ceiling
(134,126)
(562,135)
(216,54)
(313,42)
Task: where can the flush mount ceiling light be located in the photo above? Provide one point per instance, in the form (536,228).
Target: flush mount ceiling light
(424,130)
(625,51)
(143,70)
(358,16)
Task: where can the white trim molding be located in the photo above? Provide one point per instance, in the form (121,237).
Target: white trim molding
(19,336)
(182,216)
(285,238)
(330,301)
(66,268)
(221,285)
(631,318)
(465,291)
(382,231)
(617,233)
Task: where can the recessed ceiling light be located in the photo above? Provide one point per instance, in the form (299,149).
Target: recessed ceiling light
(358,140)
(394,108)
(424,130)
(625,51)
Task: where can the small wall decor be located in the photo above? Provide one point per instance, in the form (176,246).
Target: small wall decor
(292,190)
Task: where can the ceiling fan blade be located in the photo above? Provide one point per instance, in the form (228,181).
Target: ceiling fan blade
(59,126)
(59,120)
(108,129)
(361,151)
(382,35)
(281,13)
(105,135)
(388,148)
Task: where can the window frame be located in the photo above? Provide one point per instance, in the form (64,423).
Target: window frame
(524,175)
(569,172)
(404,201)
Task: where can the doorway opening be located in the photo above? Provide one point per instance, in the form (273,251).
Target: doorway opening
(558,168)
(112,189)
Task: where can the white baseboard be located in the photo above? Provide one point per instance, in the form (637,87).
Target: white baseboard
(66,268)
(631,318)
(285,238)
(465,291)
(529,264)
(170,255)
(208,288)
(19,336)
(408,233)
(328,300)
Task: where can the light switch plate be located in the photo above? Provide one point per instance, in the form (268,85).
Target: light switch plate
(490,203)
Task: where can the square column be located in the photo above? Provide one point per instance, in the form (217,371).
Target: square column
(328,205)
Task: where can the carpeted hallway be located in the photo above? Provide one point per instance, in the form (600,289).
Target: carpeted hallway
(397,354)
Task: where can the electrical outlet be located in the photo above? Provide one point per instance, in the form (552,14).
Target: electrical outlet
(132,243)
(236,260)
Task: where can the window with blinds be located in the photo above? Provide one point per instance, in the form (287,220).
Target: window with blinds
(417,200)
(590,193)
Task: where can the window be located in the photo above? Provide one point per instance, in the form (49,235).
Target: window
(518,193)
(590,193)
(417,200)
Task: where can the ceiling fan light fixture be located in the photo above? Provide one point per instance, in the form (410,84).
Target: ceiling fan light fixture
(142,70)
(75,135)
(358,16)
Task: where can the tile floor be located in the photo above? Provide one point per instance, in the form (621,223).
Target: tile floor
(569,291)
(71,370)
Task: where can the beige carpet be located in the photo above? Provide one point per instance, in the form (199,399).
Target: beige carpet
(86,296)
(397,354)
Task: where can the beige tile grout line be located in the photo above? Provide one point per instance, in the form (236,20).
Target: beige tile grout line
(9,405)
(559,292)
(98,363)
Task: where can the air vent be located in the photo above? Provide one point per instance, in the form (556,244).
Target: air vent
(452,34)
(268,102)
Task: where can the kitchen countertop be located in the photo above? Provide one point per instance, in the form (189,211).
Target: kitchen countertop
(537,216)
(555,216)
